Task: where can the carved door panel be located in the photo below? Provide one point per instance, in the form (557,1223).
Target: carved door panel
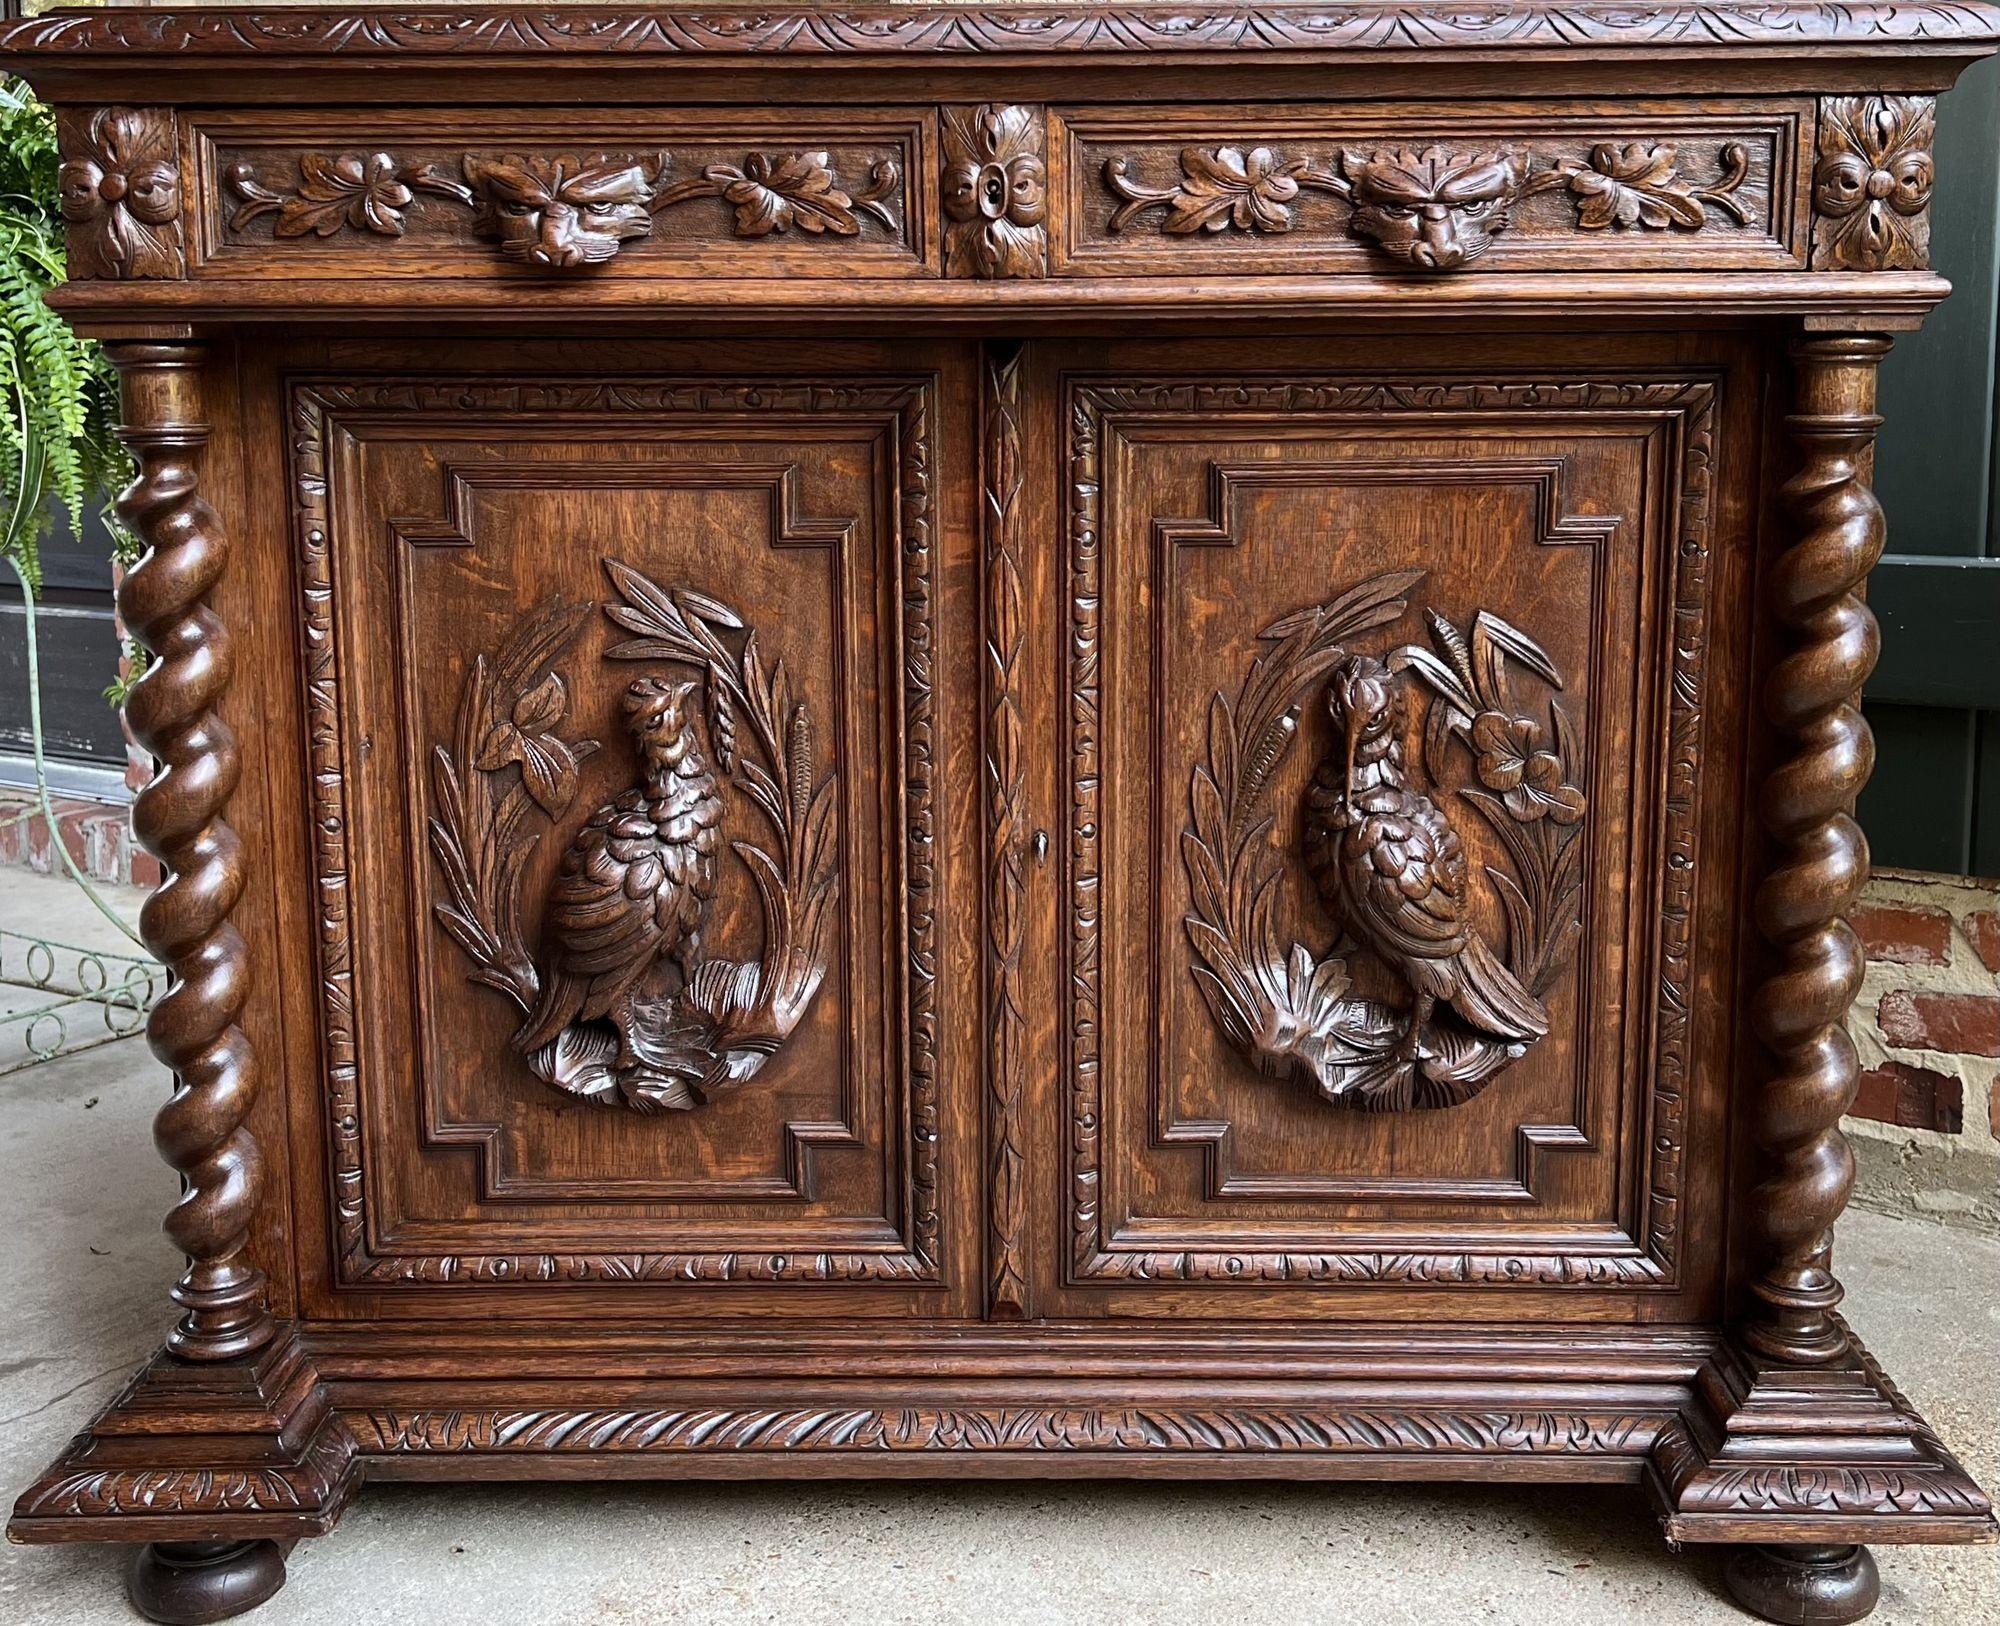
(1393,837)
(630,705)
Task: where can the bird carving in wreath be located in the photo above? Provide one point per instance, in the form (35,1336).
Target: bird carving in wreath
(1388,863)
(632,894)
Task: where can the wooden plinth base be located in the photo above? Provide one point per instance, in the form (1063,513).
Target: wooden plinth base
(1730,1448)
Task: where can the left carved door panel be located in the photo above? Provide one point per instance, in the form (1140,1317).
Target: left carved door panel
(625,782)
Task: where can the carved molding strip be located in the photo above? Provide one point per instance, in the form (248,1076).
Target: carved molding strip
(1690,406)
(120,187)
(1872,183)
(1008,840)
(1236,1430)
(1431,207)
(558,212)
(313,407)
(1024,30)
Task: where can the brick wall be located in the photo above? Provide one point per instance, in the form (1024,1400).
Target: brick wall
(1926,1123)
(98,836)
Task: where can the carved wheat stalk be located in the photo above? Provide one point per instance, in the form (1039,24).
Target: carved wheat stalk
(178,818)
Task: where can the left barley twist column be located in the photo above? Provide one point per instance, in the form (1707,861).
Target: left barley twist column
(179,819)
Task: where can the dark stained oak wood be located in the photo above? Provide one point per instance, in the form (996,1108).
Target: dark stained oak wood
(1006,742)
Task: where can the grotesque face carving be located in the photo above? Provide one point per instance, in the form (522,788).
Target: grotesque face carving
(1433,209)
(558,212)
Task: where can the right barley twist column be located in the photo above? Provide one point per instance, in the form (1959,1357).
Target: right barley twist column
(1821,857)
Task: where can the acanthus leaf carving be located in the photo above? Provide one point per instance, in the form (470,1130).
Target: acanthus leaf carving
(560,212)
(623,1004)
(1385,857)
(1428,207)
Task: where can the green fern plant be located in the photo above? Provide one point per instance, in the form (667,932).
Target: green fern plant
(61,396)
(60,406)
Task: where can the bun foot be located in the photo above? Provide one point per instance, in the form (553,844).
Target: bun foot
(189,1583)
(1804,1586)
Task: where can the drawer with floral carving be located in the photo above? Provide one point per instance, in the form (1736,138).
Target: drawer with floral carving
(661,192)
(1230,190)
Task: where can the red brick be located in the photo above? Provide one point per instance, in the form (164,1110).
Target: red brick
(1903,935)
(1911,1097)
(145,867)
(1982,927)
(1958,1024)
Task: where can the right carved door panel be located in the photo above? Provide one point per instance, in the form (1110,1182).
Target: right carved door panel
(1386,808)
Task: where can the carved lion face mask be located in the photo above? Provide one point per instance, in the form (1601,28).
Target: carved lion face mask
(1433,209)
(557,212)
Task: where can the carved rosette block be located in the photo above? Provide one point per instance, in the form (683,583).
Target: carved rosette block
(1821,859)
(1872,183)
(995,192)
(179,819)
(120,187)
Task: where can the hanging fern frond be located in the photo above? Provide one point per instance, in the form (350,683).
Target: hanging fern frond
(58,419)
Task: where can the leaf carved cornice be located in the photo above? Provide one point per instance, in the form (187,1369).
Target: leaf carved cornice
(1011,31)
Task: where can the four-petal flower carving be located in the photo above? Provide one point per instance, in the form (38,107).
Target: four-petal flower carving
(1872,185)
(121,197)
(1515,761)
(995,192)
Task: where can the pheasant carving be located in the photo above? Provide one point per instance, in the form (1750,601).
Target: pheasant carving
(631,894)
(1388,863)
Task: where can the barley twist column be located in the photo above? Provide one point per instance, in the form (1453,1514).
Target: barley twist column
(178,817)
(1821,857)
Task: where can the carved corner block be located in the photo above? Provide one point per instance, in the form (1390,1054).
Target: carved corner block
(995,192)
(1769,1452)
(1872,183)
(196,1451)
(121,192)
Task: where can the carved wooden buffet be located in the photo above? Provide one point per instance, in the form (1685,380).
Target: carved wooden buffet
(960,740)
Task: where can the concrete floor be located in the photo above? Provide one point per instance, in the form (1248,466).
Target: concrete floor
(82,1280)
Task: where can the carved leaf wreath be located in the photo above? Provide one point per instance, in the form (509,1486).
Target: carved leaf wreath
(1285,1012)
(754,1006)
(1292,1012)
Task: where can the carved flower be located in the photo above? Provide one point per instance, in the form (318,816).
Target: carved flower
(1633,185)
(1873,181)
(122,197)
(1513,761)
(793,189)
(351,190)
(1230,187)
(548,764)
(996,191)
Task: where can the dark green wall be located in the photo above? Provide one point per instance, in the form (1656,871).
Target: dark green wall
(1935,702)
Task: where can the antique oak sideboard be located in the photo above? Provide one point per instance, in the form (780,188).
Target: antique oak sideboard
(954,739)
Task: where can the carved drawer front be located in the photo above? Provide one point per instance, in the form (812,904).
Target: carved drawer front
(624,791)
(1430,188)
(699,192)
(1382,713)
